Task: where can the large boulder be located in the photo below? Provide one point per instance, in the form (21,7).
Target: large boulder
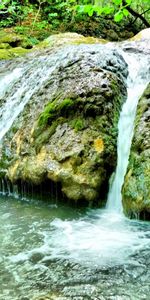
(136,189)
(13,45)
(67,131)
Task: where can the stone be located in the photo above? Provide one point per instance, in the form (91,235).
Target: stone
(67,132)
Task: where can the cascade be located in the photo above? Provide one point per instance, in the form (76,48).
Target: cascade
(18,84)
(137,81)
(17,87)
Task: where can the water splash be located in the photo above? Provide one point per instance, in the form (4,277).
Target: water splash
(137,81)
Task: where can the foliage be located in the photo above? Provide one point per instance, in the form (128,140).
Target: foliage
(118,8)
(11,11)
(56,12)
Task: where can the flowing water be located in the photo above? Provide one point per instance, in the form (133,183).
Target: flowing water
(18,87)
(73,254)
(139,77)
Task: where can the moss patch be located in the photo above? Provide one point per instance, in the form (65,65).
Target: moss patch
(77,124)
(69,38)
(12,53)
(43,136)
(54,110)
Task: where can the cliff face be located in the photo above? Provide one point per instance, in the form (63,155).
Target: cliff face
(67,130)
(136,189)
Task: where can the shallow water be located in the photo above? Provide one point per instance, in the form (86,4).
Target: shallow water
(71,253)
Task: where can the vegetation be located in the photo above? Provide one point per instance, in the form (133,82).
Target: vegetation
(43,14)
(78,124)
(53,110)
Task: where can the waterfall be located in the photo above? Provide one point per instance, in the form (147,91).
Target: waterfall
(26,80)
(17,87)
(25,87)
(137,81)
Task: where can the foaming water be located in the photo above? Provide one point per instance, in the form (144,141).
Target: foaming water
(34,235)
(138,79)
(100,238)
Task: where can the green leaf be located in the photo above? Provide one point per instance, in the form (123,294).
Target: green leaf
(98,10)
(2,6)
(80,8)
(117,2)
(108,10)
(88,8)
(90,12)
(125,12)
(52,15)
(118,16)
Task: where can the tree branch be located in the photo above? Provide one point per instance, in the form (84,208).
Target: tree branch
(136,14)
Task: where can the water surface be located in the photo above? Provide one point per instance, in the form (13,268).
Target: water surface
(70,253)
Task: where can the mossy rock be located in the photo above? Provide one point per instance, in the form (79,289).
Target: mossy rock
(67,131)
(55,109)
(10,38)
(69,38)
(4,46)
(12,53)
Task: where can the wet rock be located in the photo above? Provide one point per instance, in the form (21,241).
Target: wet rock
(142,35)
(139,43)
(67,131)
(69,38)
(136,189)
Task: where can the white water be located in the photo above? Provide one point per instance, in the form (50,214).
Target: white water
(18,86)
(16,102)
(138,79)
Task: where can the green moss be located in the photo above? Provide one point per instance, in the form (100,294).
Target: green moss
(68,38)
(6,37)
(12,53)
(4,46)
(54,110)
(77,124)
(18,51)
(5,54)
(44,136)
